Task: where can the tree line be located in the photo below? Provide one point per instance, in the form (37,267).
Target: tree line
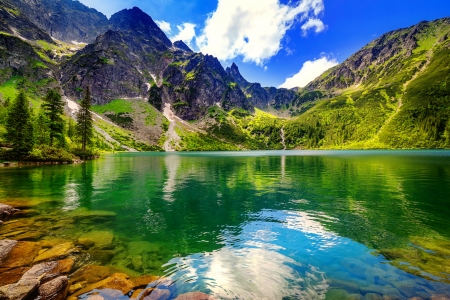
(27,134)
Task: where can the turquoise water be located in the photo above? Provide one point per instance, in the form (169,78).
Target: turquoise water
(263,224)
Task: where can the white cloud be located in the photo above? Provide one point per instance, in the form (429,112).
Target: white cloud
(186,32)
(165,26)
(310,71)
(313,23)
(253,29)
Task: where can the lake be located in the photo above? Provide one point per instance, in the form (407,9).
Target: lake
(253,225)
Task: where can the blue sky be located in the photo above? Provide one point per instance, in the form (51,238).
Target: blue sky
(272,40)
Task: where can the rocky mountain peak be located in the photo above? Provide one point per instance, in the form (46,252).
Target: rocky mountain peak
(233,71)
(136,21)
(181,45)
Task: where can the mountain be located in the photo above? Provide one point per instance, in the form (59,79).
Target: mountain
(393,93)
(262,97)
(65,20)
(390,94)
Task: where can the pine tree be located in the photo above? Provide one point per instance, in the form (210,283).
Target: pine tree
(19,126)
(54,109)
(84,120)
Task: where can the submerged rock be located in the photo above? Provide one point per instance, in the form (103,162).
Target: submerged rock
(195,296)
(48,270)
(97,239)
(58,251)
(118,281)
(20,255)
(20,290)
(6,212)
(55,289)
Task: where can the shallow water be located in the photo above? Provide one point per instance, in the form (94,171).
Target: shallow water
(260,224)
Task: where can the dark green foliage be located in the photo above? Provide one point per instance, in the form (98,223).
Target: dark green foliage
(154,97)
(121,119)
(53,108)
(71,129)
(84,126)
(45,153)
(19,126)
(41,129)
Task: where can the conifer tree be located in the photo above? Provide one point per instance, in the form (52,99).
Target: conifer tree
(19,126)
(84,120)
(54,109)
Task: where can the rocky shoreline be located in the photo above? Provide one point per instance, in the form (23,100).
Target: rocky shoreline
(54,269)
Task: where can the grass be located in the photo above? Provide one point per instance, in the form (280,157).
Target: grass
(116,106)
(9,88)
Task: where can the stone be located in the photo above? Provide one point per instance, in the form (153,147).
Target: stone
(6,211)
(82,213)
(195,296)
(86,243)
(55,289)
(142,282)
(101,239)
(354,297)
(376,289)
(22,254)
(373,296)
(101,256)
(91,274)
(391,297)
(137,262)
(136,294)
(350,287)
(406,287)
(117,281)
(31,236)
(5,248)
(20,290)
(155,294)
(58,251)
(141,247)
(9,276)
(332,294)
(76,287)
(48,270)
(440,297)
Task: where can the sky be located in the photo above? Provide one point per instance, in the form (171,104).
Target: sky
(281,43)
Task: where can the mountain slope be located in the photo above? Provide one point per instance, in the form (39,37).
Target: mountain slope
(65,20)
(390,94)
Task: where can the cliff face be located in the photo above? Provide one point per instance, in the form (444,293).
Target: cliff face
(15,22)
(259,96)
(65,20)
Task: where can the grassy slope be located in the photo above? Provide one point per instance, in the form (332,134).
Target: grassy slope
(403,103)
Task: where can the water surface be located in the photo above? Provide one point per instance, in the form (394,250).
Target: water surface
(261,224)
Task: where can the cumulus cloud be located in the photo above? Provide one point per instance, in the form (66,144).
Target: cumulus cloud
(186,33)
(310,71)
(313,23)
(165,26)
(253,29)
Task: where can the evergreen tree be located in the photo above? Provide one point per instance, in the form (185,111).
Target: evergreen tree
(54,109)
(154,97)
(19,126)
(71,129)
(41,129)
(84,120)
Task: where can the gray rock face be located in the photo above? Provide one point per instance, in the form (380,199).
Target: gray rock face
(13,21)
(196,82)
(65,20)
(259,96)
(181,45)
(135,22)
